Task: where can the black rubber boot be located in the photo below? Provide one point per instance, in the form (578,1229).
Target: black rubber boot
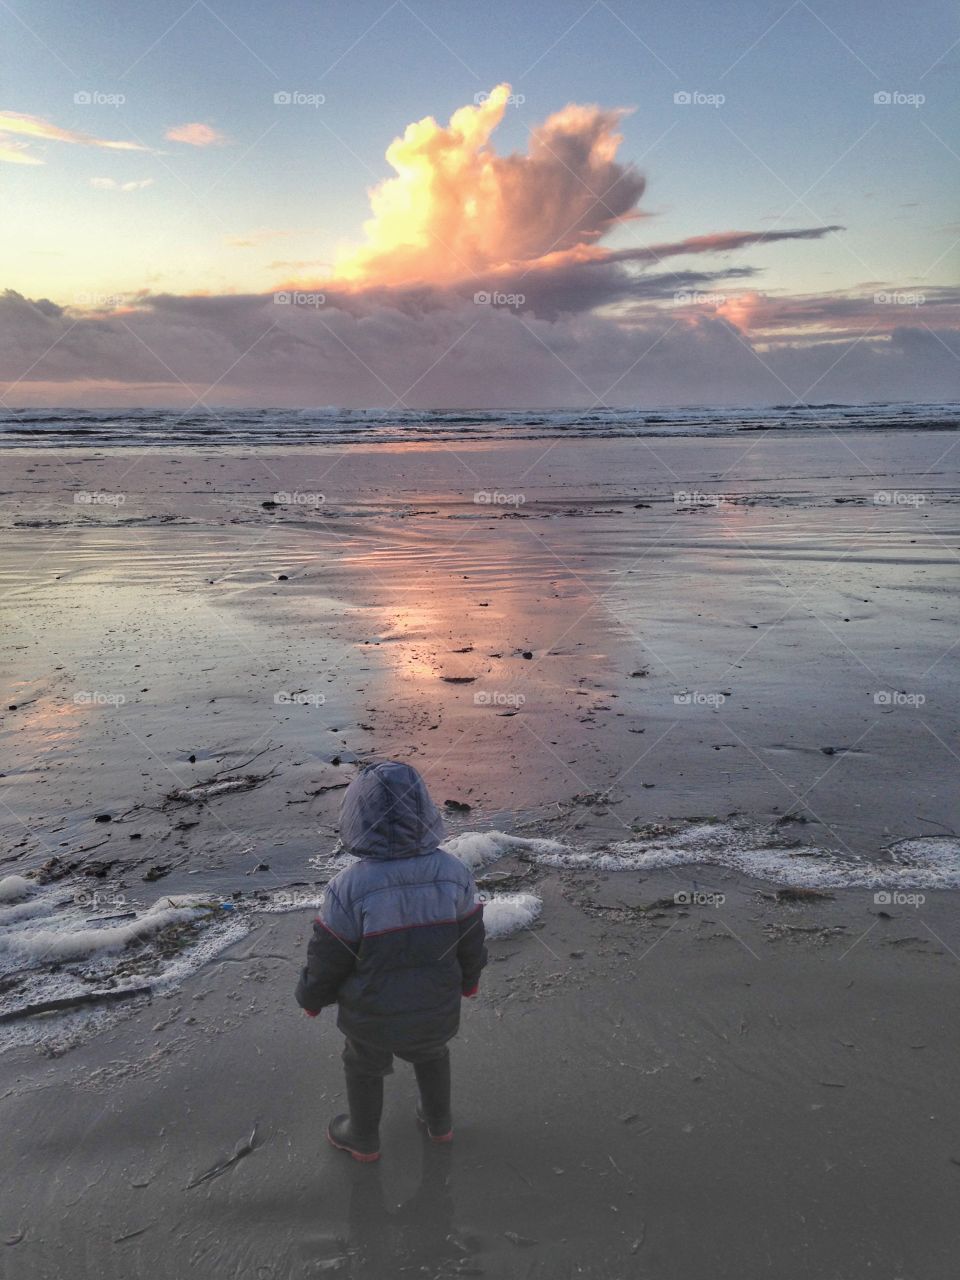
(359,1132)
(433,1079)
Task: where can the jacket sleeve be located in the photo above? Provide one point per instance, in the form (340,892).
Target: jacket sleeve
(331,955)
(471,951)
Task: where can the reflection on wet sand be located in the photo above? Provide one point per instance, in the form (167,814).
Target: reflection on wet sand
(417,1236)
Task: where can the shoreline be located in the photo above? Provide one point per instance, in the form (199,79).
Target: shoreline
(280,429)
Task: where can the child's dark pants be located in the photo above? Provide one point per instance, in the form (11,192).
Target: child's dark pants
(370,1060)
(365,1065)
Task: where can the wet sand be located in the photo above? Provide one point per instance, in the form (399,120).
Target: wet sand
(714,628)
(781,614)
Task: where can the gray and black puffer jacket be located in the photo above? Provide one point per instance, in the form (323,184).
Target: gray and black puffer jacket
(399,938)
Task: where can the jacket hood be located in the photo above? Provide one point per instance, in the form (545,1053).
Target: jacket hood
(387,813)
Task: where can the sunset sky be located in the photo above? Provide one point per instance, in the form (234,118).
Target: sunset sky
(536,203)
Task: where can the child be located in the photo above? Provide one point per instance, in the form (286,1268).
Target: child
(398,941)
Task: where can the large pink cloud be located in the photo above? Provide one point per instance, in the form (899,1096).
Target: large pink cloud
(455,207)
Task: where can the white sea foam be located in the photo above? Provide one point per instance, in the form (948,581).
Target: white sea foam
(480,848)
(62,942)
(931,862)
(16,888)
(507,913)
(24,911)
(66,957)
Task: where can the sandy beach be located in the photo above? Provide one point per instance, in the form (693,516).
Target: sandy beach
(633,1098)
(708,685)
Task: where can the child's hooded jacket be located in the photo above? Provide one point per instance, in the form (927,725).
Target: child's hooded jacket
(400,935)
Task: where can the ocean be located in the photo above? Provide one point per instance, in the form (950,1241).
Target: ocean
(57,428)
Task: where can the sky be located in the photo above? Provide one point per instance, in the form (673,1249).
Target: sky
(439,203)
